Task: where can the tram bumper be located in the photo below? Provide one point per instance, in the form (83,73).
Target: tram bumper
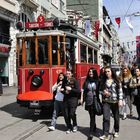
(35,99)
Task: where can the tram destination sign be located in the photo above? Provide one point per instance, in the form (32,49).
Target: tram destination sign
(32,25)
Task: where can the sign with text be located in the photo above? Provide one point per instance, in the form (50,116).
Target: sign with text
(32,25)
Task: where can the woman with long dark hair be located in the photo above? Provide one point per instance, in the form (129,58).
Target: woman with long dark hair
(89,90)
(58,99)
(112,96)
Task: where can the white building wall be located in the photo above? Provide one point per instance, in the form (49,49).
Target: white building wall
(100,9)
(53,7)
(10,15)
(12,57)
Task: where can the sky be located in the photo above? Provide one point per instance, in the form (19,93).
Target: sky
(122,9)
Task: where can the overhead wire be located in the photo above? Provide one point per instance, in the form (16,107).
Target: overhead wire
(127,11)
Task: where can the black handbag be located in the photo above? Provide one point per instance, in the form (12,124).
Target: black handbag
(97,106)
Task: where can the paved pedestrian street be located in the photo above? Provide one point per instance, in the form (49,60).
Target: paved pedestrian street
(18,123)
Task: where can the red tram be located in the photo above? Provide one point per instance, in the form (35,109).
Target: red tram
(43,53)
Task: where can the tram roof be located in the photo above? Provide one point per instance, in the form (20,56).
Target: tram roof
(76,35)
(39,33)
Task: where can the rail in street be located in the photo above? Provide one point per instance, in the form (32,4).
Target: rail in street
(19,123)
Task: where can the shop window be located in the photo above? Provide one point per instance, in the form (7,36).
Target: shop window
(44,12)
(83,53)
(4,32)
(23,18)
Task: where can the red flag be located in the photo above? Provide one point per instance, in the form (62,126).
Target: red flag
(97,26)
(118,21)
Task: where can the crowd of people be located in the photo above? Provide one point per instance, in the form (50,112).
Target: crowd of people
(115,93)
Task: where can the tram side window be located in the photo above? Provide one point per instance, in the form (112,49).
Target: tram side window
(95,57)
(62,57)
(90,55)
(83,53)
(42,51)
(30,52)
(54,50)
(19,52)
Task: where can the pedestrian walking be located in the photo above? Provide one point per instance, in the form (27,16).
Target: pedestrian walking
(71,95)
(89,91)
(135,83)
(58,99)
(112,96)
(133,69)
(128,98)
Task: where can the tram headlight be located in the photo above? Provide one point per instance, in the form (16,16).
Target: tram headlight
(30,72)
(41,72)
(36,81)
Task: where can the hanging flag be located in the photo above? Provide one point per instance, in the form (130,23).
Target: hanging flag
(128,21)
(107,20)
(128,44)
(97,26)
(118,21)
(87,27)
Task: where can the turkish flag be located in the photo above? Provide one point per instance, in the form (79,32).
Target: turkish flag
(118,21)
(97,26)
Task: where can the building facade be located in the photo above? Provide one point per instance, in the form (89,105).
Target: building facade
(8,15)
(13,11)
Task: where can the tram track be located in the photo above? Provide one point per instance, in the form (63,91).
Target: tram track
(25,134)
(29,132)
(14,123)
(11,124)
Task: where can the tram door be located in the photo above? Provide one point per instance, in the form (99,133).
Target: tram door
(70,54)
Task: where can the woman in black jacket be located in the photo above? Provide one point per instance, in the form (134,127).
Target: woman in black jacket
(90,89)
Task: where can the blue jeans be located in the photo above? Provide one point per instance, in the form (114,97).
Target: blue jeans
(58,106)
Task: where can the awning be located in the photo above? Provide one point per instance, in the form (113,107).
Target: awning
(88,7)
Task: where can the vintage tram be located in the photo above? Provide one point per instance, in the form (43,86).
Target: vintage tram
(44,50)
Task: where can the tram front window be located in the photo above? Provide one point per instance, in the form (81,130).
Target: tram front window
(54,51)
(30,52)
(42,51)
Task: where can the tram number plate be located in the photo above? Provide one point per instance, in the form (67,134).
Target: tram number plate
(34,103)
